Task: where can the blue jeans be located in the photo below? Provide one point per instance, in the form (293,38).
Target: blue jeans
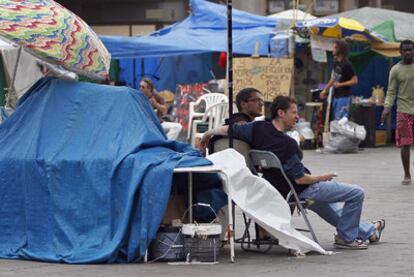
(341,107)
(346,219)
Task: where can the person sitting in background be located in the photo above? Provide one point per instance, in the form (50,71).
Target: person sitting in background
(326,193)
(171,129)
(250,103)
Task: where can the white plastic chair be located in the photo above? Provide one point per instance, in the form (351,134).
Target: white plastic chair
(214,116)
(209,99)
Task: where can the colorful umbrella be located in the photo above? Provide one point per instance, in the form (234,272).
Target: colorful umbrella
(340,28)
(54,34)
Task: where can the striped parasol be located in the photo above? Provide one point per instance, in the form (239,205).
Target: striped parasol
(54,34)
(340,28)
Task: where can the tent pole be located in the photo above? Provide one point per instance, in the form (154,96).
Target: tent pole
(230,67)
(9,100)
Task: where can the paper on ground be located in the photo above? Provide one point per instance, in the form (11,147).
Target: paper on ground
(262,202)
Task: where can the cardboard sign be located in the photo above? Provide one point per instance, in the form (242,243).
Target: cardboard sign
(271,76)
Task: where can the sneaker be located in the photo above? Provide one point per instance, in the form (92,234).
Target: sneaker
(353,245)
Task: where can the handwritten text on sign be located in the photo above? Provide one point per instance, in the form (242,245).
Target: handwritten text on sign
(271,76)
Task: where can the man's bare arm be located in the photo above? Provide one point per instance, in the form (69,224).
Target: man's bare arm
(219,131)
(324,92)
(312,179)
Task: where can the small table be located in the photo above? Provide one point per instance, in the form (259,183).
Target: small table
(226,187)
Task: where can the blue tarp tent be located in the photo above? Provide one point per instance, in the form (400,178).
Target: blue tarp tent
(172,51)
(205,30)
(80,168)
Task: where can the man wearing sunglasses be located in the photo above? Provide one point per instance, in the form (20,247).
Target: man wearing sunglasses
(250,103)
(171,129)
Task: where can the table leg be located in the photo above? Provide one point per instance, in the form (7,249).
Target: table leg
(230,212)
(190,197)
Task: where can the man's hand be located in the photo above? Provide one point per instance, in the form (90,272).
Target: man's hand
(385,114)
(204,141)
(153,101)
(323,94)
(327,177)
(218,131)
(337,85)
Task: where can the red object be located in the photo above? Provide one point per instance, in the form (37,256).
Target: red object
(222,61)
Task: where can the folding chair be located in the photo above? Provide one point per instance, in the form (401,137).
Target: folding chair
(246,240)
(268,160)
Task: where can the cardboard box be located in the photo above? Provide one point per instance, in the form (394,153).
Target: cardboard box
(175,209)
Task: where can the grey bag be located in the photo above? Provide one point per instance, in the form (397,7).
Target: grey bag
(339,143)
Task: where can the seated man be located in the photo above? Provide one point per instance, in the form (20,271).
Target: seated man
(249,102)
(269,136)
(171,129)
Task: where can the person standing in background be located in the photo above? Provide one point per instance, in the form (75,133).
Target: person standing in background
(401,85)
(343,77)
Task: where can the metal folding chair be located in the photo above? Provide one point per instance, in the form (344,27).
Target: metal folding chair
(247,241)
(268,160)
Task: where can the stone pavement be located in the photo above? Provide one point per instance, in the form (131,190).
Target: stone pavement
(377,170)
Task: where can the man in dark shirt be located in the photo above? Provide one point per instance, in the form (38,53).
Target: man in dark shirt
(250,103)
(327,194)
(343,78)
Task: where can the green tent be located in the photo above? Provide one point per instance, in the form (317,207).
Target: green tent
(371,17)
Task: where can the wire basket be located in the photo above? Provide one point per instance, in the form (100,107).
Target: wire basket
(168,246)
(202,242)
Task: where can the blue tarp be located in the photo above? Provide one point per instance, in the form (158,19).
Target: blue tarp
(167,72)
(205,30)
(85,174)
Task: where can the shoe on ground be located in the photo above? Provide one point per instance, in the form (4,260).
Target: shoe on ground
(352,245)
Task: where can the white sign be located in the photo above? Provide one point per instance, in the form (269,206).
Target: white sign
(319,55)
(321,42)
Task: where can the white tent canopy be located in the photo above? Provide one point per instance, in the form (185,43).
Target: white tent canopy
(292,14)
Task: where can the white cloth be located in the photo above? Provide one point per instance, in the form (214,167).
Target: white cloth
(28,72)
(172,129)
(262,202)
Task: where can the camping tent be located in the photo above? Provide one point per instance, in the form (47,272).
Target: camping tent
(292,14)
(205,30)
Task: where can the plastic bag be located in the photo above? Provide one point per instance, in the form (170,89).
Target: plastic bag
(305,130)
(339,143)
(348,129)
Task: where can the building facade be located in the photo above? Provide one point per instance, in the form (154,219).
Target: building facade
(137,17)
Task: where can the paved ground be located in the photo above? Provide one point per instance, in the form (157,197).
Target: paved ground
(378,171)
